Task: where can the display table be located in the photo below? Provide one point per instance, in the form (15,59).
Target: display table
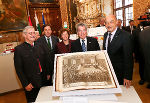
(128,96)
(9,45)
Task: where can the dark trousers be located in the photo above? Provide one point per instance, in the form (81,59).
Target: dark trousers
(121,81)
(31,95)
(46,82)
(141,67)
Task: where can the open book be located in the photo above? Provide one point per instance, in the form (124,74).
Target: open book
(83,70)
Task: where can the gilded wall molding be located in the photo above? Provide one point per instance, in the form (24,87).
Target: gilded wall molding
(107,7)
(88,11)
(139,8)
(64,12)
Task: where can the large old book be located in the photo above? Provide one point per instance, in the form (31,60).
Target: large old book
(83,71)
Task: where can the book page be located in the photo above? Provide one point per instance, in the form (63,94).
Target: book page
(78,71)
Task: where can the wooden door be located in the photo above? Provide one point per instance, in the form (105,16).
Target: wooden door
(51,14)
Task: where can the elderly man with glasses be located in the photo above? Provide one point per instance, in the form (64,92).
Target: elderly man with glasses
(27,64)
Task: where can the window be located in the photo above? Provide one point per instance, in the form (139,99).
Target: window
(118,3)
(119,14)
(128,2)
(129,14)
(124,10)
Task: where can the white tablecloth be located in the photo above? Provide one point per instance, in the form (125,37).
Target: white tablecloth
(128,96)
(8,78)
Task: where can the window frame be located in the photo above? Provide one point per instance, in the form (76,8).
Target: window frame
(123,10)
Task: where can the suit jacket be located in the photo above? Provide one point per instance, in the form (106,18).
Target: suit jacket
(128,28)
(92,45)
(120,54)
(47,55)
(144,38)
(26,65)
(136,46)
(122,27)
(61,47)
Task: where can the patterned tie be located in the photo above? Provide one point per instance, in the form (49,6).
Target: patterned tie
(109,41)
(49,44)
(83,46)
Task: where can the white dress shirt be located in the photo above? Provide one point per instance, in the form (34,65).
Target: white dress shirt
(50,41)
(112,35)
(85,41)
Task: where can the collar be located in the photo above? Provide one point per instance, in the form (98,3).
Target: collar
(113,33)
(85,41)
(131,26)
(29,43)
(47,37)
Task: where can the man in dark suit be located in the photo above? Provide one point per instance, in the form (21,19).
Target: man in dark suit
(119,24)
(138,54)
(118,44)
(27,64)
(101,22)
(48,43)
(131,27)
(84,43)
(144,38)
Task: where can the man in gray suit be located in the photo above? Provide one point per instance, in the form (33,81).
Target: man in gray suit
(48,44)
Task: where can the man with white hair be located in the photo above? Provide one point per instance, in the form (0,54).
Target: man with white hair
(84,43)
(27,64)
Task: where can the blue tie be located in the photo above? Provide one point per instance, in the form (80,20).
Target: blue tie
(83,46)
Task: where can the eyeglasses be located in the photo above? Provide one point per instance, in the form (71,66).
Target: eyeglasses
(37,32)
(31,33)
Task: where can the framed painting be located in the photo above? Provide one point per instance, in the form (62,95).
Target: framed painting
(13,15)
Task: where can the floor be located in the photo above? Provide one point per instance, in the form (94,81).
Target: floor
(143,92)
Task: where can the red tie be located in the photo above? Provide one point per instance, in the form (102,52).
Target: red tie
(39,65)
(32,45)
